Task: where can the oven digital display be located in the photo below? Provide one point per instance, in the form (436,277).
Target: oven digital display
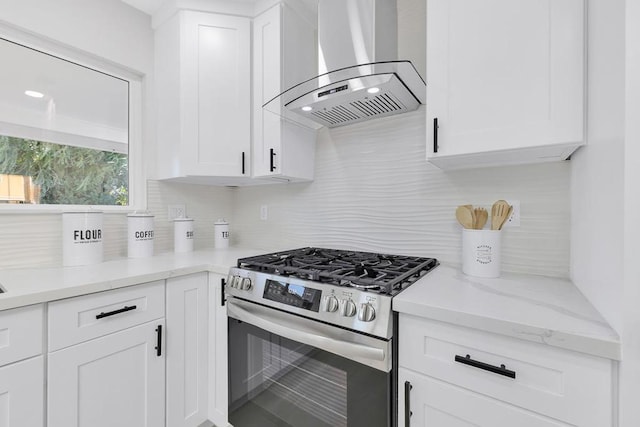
(293,295)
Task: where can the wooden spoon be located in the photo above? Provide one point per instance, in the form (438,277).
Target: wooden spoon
(499,214)
(464,215)
(481,218)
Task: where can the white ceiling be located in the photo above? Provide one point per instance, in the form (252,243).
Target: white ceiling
(151,6)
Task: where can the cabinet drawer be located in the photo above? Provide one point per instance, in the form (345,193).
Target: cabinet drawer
(20,333)
(431,402)
(565,385)
(79,319)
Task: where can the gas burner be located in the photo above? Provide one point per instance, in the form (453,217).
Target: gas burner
(382,273)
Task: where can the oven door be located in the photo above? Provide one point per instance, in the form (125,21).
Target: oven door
(285,370)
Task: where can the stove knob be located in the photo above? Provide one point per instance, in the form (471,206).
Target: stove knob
(367,313)
(245,284)
(234,282)
(348,308)
(330,304)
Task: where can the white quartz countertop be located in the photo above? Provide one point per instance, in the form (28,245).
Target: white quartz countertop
(546,310)
(35,285)
(541,309)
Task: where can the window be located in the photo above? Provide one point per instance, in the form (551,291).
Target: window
(64,131)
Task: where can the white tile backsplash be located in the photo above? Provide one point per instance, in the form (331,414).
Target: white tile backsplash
(373,191)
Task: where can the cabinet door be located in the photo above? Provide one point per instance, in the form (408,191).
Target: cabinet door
(216,94)
(115,380)
(22,394)
(187,350)
(504,75)
(267,47)
(431,402)
(218,376)
(281,149)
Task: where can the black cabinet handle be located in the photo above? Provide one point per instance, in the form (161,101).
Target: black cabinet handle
(243,170)
(114,312)
(222,299)
(159,341)
(271,156)
(500,370)
(435,135)
(407,403)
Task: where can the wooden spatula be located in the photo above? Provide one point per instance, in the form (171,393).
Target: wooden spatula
(481,218)
(464,215)
(499,214)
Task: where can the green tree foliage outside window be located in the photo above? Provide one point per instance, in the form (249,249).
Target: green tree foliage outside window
(67,175)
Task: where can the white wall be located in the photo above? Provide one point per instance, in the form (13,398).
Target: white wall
(374,190)
(597,228)
(630,367)
(108,29)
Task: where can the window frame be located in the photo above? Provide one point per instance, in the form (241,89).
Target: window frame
(136,80)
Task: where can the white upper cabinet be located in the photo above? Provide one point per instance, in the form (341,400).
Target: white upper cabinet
(203,79)
(505,81)
(284,54)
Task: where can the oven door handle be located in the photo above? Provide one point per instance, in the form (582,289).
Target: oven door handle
(304,335)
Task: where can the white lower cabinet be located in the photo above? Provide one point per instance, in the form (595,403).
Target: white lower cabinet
(22,394)
(187,350)
(218,366)
(108,366)
(452,376)
(114,380)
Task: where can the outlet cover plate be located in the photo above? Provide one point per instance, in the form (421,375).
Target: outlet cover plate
(176,211)
(514,219)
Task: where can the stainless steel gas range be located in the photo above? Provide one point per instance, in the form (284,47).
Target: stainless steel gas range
(311,337)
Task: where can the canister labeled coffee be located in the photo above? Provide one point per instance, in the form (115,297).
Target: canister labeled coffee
(140,235)
(82,236)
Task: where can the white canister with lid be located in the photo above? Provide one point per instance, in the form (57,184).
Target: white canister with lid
(140,234)
(221,231)
(183,235)
(82,238)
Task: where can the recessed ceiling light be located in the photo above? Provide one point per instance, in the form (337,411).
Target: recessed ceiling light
(373,90)
(307,108)
(33,94)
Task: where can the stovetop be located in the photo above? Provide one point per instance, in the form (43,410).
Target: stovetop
(373,272)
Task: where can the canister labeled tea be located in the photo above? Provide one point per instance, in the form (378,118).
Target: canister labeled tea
(82,236)
(221,230)
(140,235)
(183,235)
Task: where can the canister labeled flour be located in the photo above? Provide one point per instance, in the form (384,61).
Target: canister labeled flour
(140,234)
(183,235)
(82,235)
(221,230)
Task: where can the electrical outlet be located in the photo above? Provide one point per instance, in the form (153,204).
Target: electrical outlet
(264,212)
(514,219)
(176,211)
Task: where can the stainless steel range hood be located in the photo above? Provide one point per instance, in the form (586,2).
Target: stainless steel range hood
(360,78)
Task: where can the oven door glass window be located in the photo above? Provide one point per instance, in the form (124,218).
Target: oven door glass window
(274,381)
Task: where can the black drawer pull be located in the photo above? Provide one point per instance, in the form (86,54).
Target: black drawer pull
(159,341)
(500,370)
(407,403)
(118,311)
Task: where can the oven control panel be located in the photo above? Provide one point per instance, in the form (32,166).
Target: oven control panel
(346,307)
(292,294)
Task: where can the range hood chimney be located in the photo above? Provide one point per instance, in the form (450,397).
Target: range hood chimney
(359,77)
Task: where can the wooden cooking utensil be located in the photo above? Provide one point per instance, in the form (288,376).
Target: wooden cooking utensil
(481,218)
(499,214)
(464,215)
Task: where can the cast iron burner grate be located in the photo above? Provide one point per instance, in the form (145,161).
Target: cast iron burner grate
(382,273)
